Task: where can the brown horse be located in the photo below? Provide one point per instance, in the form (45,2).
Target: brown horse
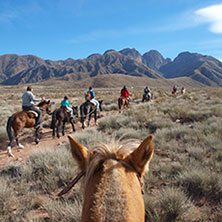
(24,119)
(123,103)
(113,180)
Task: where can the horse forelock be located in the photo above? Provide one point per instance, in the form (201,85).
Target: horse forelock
(116,150)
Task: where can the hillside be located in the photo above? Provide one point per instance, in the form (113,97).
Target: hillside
(15,69)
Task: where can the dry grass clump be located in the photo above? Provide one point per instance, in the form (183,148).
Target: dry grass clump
(170,204)
(202,182)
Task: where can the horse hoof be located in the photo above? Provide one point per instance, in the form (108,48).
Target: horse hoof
(20,146)
(9,151)
(37,141)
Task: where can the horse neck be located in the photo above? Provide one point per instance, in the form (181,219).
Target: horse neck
(43,110)
(114,194)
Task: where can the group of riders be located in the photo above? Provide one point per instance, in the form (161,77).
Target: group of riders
(28,103)
(28,100)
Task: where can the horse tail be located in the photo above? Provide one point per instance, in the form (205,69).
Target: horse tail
(9,127)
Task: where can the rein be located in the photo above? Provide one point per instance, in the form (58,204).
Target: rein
(72,183)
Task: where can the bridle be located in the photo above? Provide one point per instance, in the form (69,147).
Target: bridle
(83,172)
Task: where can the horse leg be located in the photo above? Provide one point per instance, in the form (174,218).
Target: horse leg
(89,119)
(95,117)
(9,148)
(73,126)
(37,135)
(57,128)
(63,128)
(53,131)
(82,121)
(19,144)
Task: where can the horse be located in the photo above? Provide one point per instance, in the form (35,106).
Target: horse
(88,109)
(123,103)
(25,119)
(61,116)
(183,90)
(113,178)
(147,97)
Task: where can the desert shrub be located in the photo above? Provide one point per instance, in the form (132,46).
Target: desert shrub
(90,136)
(113,122)
(64,211)
(6,199)
(158,123)
(152,213)
(216,110)
(110,107)
(49,168)
(173,203)
(196,152)
(3,134)
(131,133)
(201,182)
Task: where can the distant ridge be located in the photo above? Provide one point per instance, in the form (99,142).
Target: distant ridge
(15,69)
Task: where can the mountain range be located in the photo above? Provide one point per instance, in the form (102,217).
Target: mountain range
(207,70)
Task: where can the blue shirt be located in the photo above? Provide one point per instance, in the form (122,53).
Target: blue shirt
(65,103)
(92,94)
(28,99)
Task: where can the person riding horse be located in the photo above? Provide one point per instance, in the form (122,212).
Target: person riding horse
(174,90)
(125,93)
(147,94)
(28,100)
(65,104)
(90,96)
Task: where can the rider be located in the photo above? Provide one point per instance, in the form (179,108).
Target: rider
(175,88)
(65,103)
(90,96)
(125,93)
(28,100)
(147,90)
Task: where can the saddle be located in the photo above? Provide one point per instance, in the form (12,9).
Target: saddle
(32,114)
(66,110)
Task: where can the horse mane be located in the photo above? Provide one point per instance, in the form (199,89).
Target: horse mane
(116,150)
(41,103)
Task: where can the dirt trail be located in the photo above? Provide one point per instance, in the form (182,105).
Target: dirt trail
(46,141)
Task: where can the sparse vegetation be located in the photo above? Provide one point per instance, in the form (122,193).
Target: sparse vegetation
(184,183)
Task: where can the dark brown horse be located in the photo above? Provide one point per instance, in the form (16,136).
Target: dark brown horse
(25,119)
(59,117)
(87,109)
(123,103)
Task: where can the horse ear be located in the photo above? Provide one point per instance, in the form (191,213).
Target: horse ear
(48,101)
(79,153)
(139,159)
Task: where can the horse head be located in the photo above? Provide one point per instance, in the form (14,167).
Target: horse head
(45,106)
(100,105)
(113,177)
(75,111)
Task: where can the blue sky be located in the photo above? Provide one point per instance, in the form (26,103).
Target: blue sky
(61,29)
